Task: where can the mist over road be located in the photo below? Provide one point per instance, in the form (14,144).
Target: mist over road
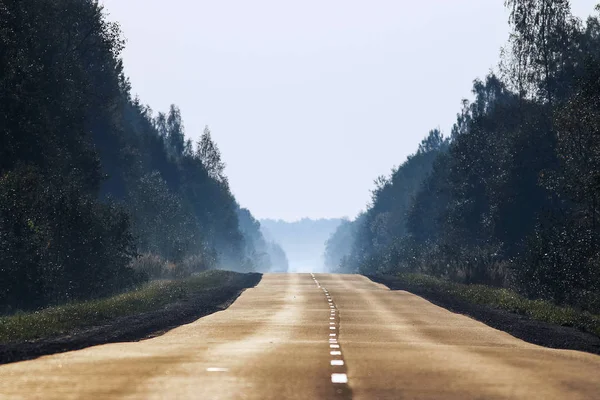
(327,336)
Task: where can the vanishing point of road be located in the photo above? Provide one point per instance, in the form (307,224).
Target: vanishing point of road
(322,336)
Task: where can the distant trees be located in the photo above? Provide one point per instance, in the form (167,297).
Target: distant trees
(385,224)
(264,256)
(256,247)
(303,240)
(279,260)
(512,198)
(90,178)
(339,245)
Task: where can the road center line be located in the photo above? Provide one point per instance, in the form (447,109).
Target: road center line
(338,374)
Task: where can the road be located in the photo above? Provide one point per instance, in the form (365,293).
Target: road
(280,339)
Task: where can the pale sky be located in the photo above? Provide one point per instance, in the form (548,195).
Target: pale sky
(311,100)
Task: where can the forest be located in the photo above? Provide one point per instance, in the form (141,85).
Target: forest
(98,193)
(511,196)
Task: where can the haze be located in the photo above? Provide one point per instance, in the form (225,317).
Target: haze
(135,265)
(309,101)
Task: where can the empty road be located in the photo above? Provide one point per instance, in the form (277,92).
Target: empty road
(329,336)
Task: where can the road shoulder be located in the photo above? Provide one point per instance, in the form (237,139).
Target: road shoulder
(519,326)
(135,327)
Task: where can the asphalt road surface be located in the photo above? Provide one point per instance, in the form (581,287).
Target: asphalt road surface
(324,337)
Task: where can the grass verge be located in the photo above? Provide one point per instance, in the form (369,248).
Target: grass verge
(502,299)
(65,319)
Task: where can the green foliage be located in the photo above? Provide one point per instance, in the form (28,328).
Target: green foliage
(540,44)
(151,265)
(155,267)
(208,152)
(89,177)
(513,200)
(59,245)
(198,263)
(375,235)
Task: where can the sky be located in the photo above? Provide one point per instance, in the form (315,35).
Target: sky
(309,101)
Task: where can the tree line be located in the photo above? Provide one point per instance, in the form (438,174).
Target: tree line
(511,197)
(97,192)
(302,240)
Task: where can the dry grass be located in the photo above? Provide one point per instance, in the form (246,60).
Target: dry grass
(62,319)
(506,299)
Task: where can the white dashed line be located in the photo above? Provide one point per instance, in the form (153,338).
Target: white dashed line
(215,369)
(336,351)
(339,378)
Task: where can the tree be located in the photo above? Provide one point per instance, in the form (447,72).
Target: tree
(160,124)
(542,30)
(339,245)
(279,260)
(89,177)
(208,152)
(175,134)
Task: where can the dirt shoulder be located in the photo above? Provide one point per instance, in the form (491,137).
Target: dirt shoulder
(520,326)
(135,327)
